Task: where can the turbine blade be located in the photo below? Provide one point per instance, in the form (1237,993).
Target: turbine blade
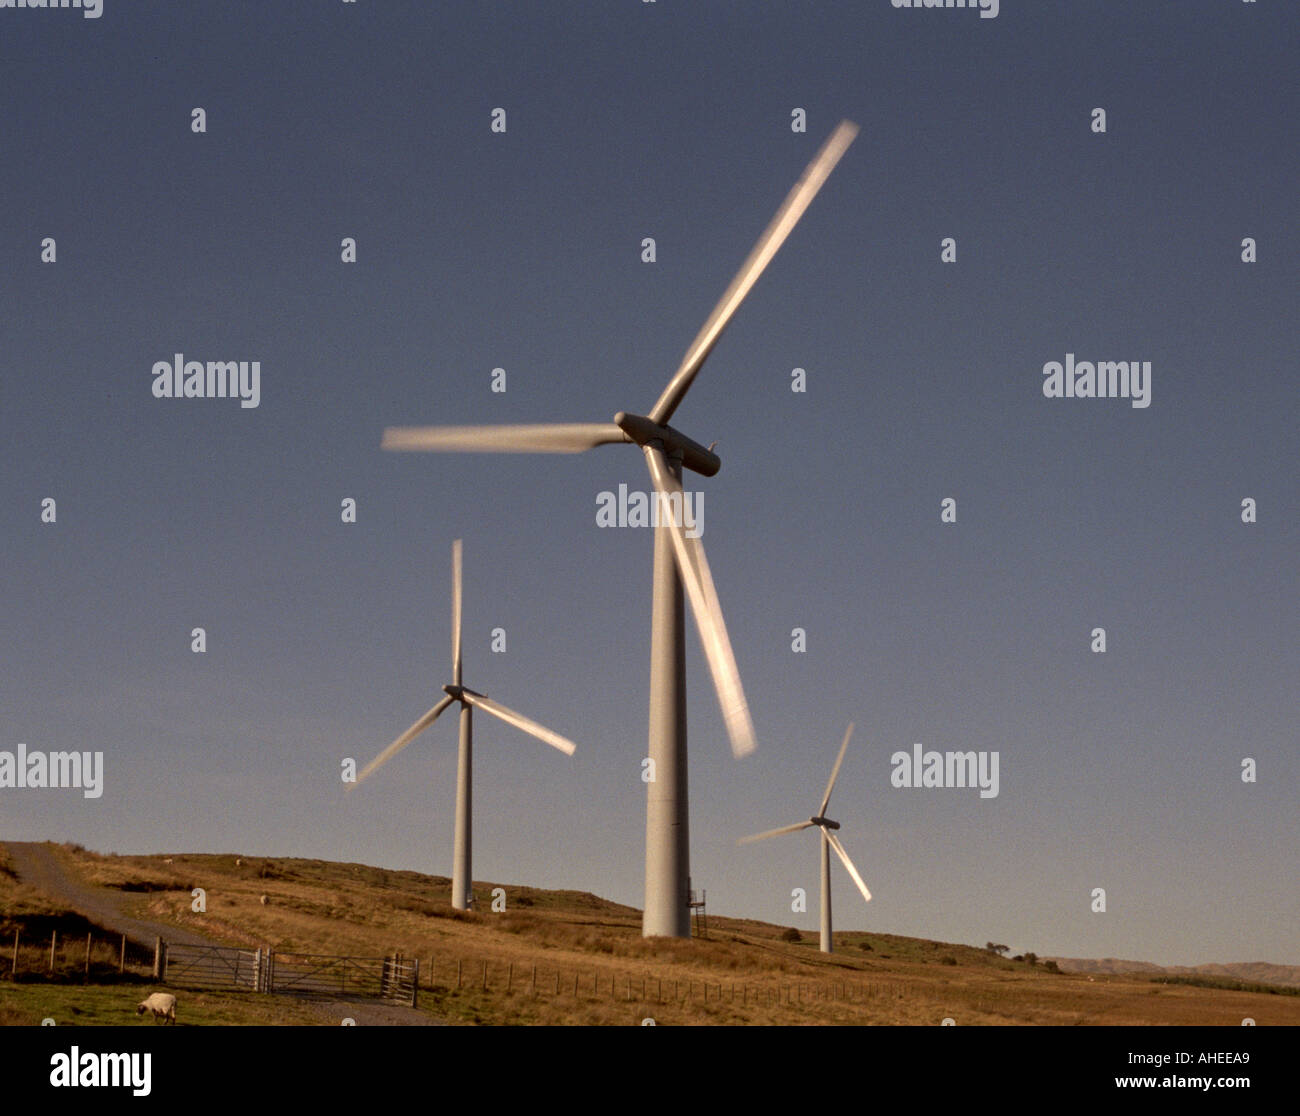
(402,741)
(556,437)
(835,771)
(774,833)
(693,569)
(839,849)
(773,237)
(554,739)
(455,611)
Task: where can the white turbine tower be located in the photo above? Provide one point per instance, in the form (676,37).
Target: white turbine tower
(829,841)
(461,879)
(679,562)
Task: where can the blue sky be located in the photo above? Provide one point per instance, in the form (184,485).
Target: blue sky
(522,250)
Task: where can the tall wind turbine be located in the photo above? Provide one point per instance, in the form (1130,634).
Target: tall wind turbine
(461,880)
(829,841)
(679,562)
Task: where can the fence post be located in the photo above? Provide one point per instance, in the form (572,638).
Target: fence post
(85,977)
(458,964)
(557,982)
(121,957)
(54,934)
(159,959)
(14,971)
(415,983)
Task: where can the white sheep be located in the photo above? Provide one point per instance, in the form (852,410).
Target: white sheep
(163,1006)
(239,863)
(167,859)
(265,900)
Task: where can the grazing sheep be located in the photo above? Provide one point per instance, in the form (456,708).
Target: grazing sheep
(167,859)
(163,1006)
(265,900)
(239,863)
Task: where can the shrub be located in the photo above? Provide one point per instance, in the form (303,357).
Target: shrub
(864,946)
(790,934)
(1051,966)
(1032,958)
(947,959)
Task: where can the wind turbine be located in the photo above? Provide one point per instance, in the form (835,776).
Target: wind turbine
(461,880)
(829,841)
(679,562)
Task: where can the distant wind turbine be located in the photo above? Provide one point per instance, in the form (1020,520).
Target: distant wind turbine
(829,841)
(461,879)
(679,562)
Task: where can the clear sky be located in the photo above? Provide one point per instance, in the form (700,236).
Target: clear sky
(522,250)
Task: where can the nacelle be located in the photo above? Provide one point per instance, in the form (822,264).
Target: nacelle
(694,456)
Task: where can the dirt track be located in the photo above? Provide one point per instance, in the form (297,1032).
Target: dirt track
(37,866)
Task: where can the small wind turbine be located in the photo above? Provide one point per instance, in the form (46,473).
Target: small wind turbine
(679,562)
(461,880)
(829,841)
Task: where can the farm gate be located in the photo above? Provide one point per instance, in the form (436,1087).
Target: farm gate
(395,979)
(384,978)
(216,967)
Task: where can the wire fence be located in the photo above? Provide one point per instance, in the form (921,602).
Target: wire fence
(398,979)
(532,980)
(67,956)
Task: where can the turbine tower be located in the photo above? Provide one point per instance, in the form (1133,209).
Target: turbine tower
(461,879)
(829,841)
(679,562)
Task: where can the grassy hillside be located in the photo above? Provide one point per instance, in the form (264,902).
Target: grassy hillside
(593,967)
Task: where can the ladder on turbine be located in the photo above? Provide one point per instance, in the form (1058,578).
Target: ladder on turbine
(699,917)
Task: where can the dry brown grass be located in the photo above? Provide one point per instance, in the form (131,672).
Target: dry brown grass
(742,974)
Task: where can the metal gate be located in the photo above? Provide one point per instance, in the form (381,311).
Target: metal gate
(314,974)
(190,966)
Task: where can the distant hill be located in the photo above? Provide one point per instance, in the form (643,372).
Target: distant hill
(1257,971)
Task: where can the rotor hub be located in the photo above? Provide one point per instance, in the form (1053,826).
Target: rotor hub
(644,431)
